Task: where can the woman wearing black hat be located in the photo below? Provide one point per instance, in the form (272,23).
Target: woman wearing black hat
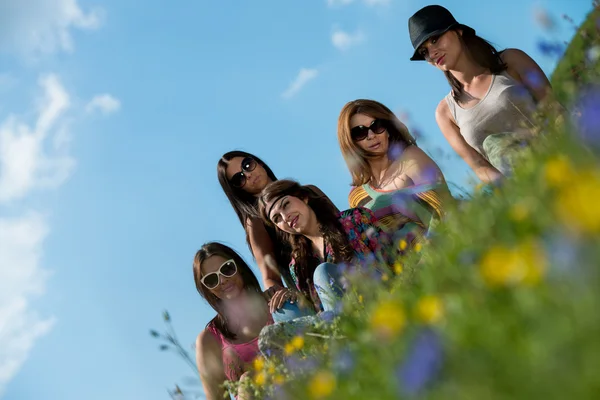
(487,116)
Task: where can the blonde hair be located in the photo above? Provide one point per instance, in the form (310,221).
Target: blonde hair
(354,156)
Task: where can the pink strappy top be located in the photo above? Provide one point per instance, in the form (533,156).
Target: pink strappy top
(235,356)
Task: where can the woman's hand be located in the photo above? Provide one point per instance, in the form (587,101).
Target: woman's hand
(280,297)
(268,294)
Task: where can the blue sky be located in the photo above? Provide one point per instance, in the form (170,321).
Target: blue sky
(112,118)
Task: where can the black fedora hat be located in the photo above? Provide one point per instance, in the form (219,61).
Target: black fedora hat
(431,21)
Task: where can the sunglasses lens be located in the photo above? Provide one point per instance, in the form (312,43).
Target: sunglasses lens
(248,164)
(359,133)
(238,180)
(228,269)
(378,126)
(211,280)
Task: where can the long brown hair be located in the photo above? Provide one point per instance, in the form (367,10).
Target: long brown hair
(250,282)
(355,157)
(329,226)
(482,52)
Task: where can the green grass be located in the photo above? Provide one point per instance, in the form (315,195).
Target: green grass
(504,300)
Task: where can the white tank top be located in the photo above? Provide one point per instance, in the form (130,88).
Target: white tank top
(506,107)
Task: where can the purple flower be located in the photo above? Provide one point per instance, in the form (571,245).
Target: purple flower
(394,152)
(327,316)
(551,49)
(278,394)
(301,365)
(535,79)
(422,364)
(343,361)
(588,121)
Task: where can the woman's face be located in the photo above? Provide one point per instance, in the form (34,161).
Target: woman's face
(228,287)
(377,140)
(247,174)
(443,51)
(292,215)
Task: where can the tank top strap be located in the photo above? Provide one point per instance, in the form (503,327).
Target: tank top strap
(370,191)
(218,335)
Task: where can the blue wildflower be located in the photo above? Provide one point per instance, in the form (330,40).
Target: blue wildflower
(588,121)
(423,363)
(343,361)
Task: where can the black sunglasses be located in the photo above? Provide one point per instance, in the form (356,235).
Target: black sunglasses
(238,180)
(361,132)
(227,269)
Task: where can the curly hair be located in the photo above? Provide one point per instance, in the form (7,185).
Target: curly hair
(330,227)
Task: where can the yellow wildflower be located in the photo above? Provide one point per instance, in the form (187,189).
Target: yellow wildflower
(271,369)
(278,379)
(360,298)
(260,378)
(523,264)
(398,268)
(430,309)
(385,277)
(575,204)
(558,171)
(519,212)
(322,384)
(295,344)
(259,363)
(402,244)
(418,247)
(388,319)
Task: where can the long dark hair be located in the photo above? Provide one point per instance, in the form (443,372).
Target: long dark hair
(329,226)
(244,204)
(250,282)
(483,53)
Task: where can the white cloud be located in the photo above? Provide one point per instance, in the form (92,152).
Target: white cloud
(21,279)
(32,156)
(27,160)
(304,76)
(34,27)
(344,40)
(104,103)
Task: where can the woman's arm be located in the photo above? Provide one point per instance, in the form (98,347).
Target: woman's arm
(264,252)
(209,358)
(528,72)
(482,168)
(420,168)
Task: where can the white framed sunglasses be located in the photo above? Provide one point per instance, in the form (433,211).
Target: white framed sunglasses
(227,269)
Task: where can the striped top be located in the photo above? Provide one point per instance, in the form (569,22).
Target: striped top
(406,214)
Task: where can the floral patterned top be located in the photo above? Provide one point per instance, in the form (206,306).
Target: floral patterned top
(369,242)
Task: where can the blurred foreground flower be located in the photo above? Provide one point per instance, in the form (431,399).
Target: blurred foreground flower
(388,319)
(523,264)
(322,384)
(588,121)
(422,364)
(429,309)
(576,204)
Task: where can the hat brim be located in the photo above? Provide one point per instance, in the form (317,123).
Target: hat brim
(418,57)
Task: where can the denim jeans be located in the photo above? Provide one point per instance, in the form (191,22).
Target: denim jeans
(328,284)
(290,311)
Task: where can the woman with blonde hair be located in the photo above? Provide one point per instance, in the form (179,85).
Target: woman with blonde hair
(391,175)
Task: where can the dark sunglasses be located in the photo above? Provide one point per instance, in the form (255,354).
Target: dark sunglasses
(239,179)
(227,269)
(361,132)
